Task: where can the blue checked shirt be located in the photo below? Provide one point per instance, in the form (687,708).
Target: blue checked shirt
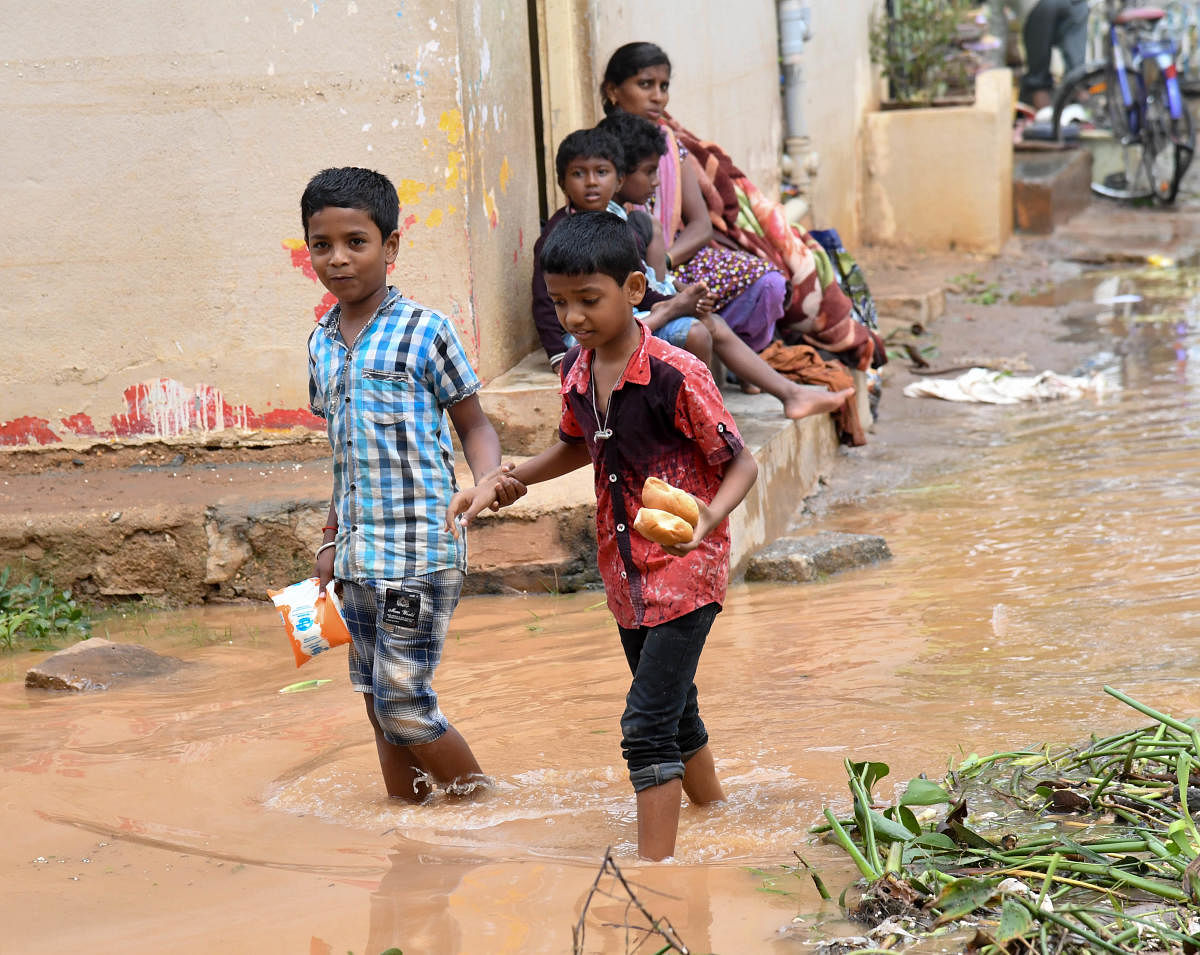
(384,403)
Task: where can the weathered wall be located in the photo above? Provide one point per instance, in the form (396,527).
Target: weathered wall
(840,88)
(725,79)
(156,281)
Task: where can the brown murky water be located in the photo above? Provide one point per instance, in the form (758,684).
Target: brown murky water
(1058,552)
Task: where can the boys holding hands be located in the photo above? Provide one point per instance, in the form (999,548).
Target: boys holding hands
(636,407)
(383,371)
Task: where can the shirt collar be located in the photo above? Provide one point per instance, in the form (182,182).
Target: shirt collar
(333,317)
(637,369)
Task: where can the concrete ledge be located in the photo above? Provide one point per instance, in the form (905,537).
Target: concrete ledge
(1049,188)
(213,532)
(941,177)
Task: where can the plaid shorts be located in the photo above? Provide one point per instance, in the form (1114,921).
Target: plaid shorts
(397,630)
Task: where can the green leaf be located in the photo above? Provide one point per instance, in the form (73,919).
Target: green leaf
(935,840)
(922,792)
(962,897)
(1015,921)
(870,773)
(892,831)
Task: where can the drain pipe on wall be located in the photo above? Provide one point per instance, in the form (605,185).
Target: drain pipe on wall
(800,162)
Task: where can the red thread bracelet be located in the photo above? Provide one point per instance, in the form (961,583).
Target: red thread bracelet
(329,527)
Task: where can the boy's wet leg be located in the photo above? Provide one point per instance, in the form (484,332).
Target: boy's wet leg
(449,760)
(403,776)
(658,820)
(700,782)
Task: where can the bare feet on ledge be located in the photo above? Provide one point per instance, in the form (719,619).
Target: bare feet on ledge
(803,402)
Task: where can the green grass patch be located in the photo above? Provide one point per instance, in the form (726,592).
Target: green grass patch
(36,615)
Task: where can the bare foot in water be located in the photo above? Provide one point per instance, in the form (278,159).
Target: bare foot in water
(802,402)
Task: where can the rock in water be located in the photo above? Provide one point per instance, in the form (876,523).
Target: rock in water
(807,558)
(97,664)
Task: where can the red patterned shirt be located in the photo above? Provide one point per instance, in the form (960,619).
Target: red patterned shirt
(667,421)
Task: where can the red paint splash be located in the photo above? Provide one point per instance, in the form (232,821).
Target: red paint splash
(27,430)
(166,408)
(80,424)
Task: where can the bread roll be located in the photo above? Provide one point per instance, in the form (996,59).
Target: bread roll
(660,495)
(662,527)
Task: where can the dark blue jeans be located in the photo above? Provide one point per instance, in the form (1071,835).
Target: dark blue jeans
(661,725)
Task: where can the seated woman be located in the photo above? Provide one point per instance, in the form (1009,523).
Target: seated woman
(699,189)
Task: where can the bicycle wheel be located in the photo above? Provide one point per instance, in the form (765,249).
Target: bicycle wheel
(1089,98)
(1170,142)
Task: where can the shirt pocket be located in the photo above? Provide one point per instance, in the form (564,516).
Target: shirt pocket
(387,396)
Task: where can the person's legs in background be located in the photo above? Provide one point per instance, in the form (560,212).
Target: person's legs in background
(1039,33)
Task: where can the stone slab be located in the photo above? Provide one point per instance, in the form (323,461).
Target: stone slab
(98,664)
(1049,188)
(814,556)
(909,311)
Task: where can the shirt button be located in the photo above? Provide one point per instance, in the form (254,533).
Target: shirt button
(720,427)
(354,487)
(347,399)
(612,479)
(620,527)
(624,575)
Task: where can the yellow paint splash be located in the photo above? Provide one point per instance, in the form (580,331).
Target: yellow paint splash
(489,205)
(453,168)
(409,191)
(505,175)
(451,124)
(434,219)
(295,244)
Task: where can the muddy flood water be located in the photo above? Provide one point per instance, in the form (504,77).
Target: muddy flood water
(1059,550)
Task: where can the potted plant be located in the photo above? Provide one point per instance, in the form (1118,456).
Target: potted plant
(919,46)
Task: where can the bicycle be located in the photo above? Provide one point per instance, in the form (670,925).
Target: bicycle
(1134,97)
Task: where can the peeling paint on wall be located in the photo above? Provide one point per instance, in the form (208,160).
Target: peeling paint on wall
(160,408)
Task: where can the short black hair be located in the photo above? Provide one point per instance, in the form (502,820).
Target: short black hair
(639,138)
(351,187)
(591,242)
(588,144)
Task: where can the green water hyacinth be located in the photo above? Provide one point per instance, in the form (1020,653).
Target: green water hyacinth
(1094,847)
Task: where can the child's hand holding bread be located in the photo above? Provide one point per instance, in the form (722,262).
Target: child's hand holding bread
(669,516)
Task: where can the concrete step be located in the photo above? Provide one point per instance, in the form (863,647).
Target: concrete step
(546,541)
(523,405)
(185,534)
(1050,187)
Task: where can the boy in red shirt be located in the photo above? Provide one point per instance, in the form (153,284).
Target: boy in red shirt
(635,407)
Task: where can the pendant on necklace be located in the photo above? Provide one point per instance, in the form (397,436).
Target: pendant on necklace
(602,434)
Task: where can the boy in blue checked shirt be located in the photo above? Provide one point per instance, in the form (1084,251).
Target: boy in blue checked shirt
(382,369)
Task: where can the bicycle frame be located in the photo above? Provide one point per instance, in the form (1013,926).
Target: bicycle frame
(1159,49)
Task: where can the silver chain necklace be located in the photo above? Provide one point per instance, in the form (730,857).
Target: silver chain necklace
(605,431)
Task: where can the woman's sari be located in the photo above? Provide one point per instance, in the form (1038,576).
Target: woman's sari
(758,225)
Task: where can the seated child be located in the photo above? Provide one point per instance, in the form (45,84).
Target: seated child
(642,145)
(384,372)
(588,163)
(635,407)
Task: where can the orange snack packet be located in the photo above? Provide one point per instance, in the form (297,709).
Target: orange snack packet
(314,624)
